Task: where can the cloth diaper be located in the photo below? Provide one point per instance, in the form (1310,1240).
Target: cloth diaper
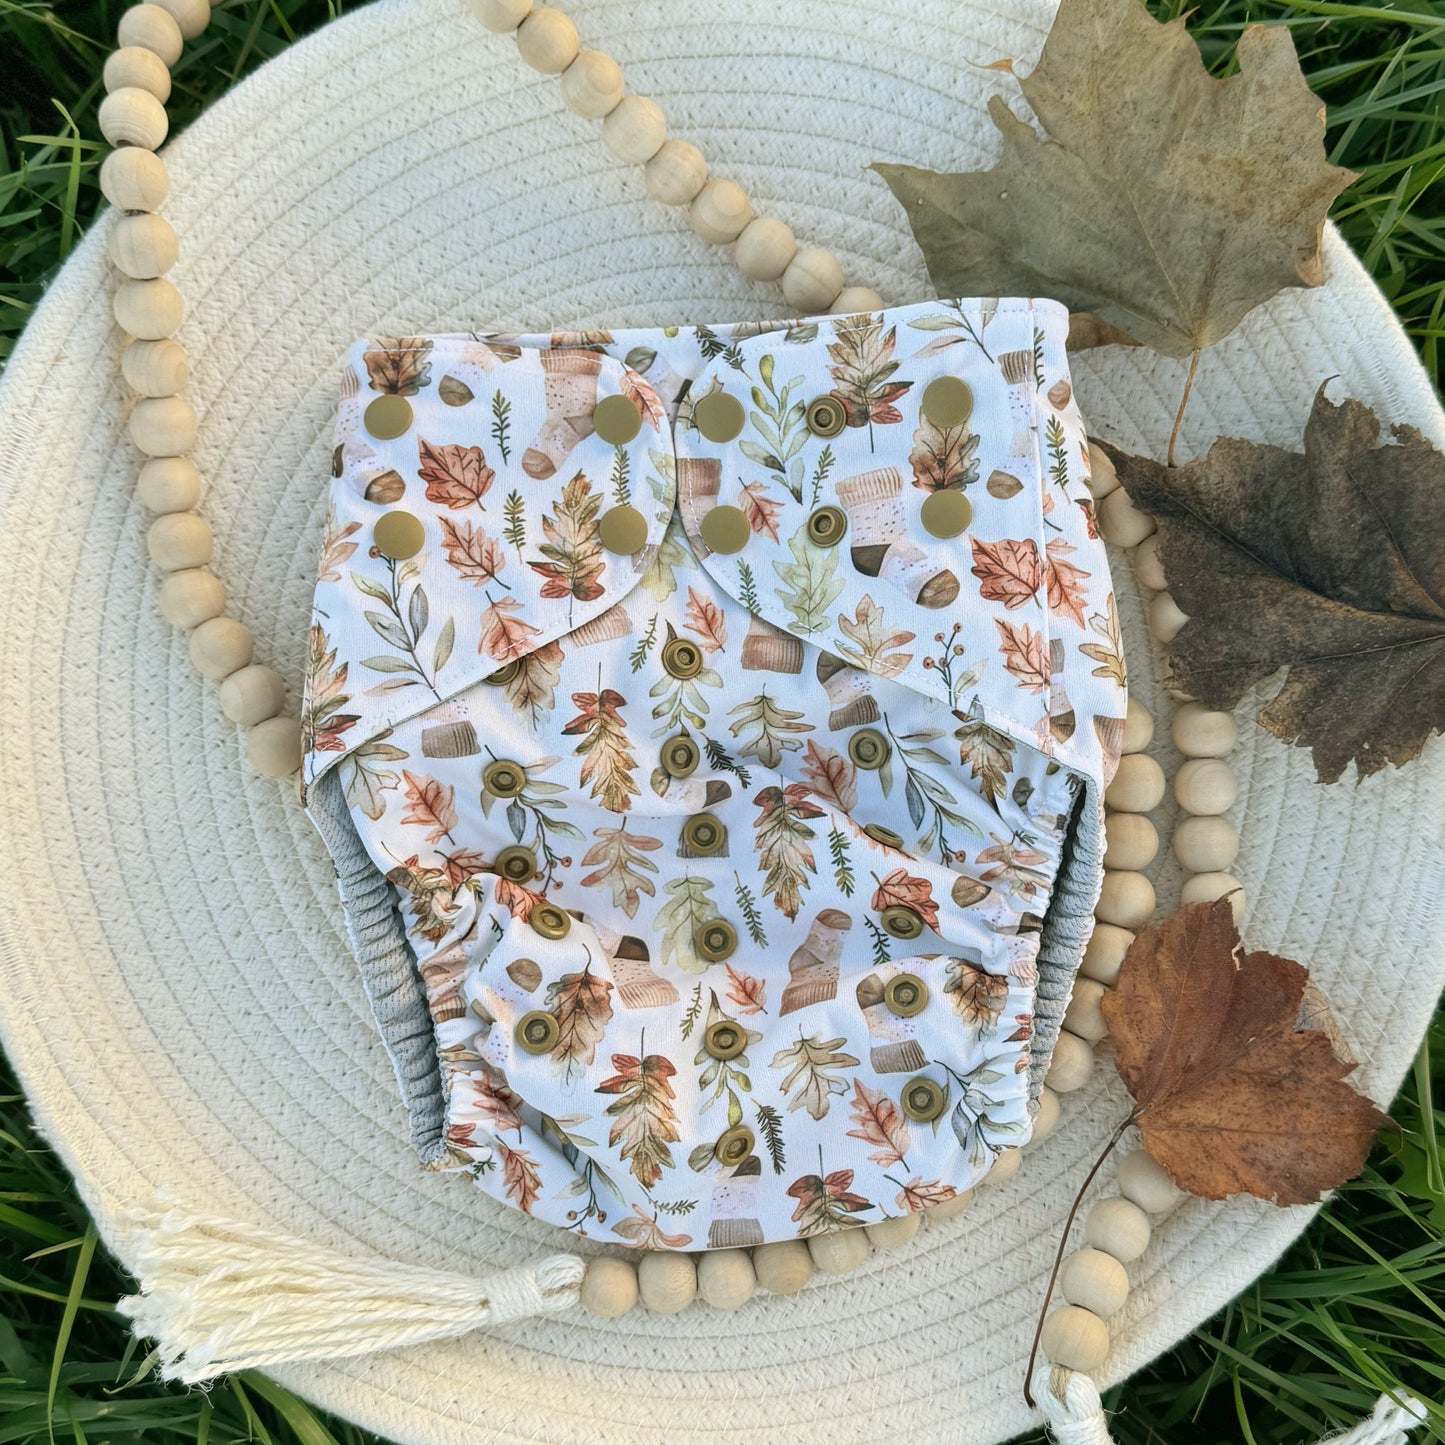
(708,725)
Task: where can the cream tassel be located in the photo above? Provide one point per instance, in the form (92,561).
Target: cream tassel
(217,1296)
(1390,1424)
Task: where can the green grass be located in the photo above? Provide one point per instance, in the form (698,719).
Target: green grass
(1354,1308)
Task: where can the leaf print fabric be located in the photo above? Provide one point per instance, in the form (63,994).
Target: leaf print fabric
(986,671)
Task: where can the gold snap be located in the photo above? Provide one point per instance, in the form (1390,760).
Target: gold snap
(718,416)
(398,535)
(623,530)
(826,416)
(733,1145)
(616,419)
(946,513)
(504,779)
(922,1099)
(703,834)
(725,530)
(504,674)
(550,921)
(716,940)
(901,922)
(680,757)
(536,1032)
(905,994)
(515,864)
(869,749)
(879,834)
(826,526)
(682,658)
(387,417)
(947,401)
(725,1040)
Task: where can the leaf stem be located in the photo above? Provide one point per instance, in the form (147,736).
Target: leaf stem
(1179,415)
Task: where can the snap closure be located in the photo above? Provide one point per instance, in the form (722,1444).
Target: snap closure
(504,779)
(516,864)
(725,530)
(826,526)
(703,835)
(947,401)
(398,535)
(718,416)
(946,513)
(922,1099)
(504,674)
(536,1032)
(680,757)
(869,749)
(826,416)
(724,1039)
(733,1145)
(682,658)
(387,417)
(880,834)
(622,529)
(550,921)
(716,940)
(905,994)
(901,922)
(616,419)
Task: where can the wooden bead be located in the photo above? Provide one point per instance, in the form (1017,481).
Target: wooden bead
(179,540)
(1126,899)
(783,1267)
(155,368)
(1205,786)
(1121,523)
(221,646)
(609,1288)
(1084,1015)
(1130,840)
(192,597)
(148,310)
(676,173)
(1138,785)
(855,300)
(191,15)
(948,1208)
(1105,952)
(666,1280)
(1146,1182)
(163,426)
(131,116)
(501,16)
(133,66)
(1094,1281)
(142,246)
(634,129)
(1075,1339)
(1148,569)
(151,28)
(547,41)
(839,1251)
(252,694)
(1118,1227)
(1003,1168)
(1206,887)
(1200,732)
(1138,727)
(1165,617)
(890,1234)
(132,179)
(168,484)
(592,84)
(1071,1065)
(273,747)
(725,1278)
(812,279)
(1103,479)
(719,212)
(1207,844)
(1048,1116)
(764,248)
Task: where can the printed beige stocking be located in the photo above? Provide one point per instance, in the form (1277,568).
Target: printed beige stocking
(570,390)
(850,693)
(1018,370)
(734,1223)
(813,968)
(893,1048)
(874,503)
(631,964)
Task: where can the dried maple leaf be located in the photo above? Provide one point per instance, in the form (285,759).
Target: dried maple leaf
(1189,200)
(1330,563)
(431,804)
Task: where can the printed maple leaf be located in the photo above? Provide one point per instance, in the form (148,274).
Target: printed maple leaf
(1065,589)
(831,776)
(880,1123)
(616,860)
(782,836)
(520,1176)
(920,1194)
(644,1119)
(705,618)
(456,476)
(979,997)
(901,888)
(398,365)
(989,755)
(874,647)
(463,864)
(607,760)
(1329,563)
(1230,1094)
(1009,570)
(825,1202)
(1023,654)
(430,804)
(580,1004)
(760,509)
(811,1063)
(504,635)
(748,994)
(573,553)
(862,365)
(943,457)
(477,557)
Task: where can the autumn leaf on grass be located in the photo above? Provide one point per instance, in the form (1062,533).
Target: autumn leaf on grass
(880,1123)
(825,1202)
(1009,570)
(811,1063)
(782,840)
(430,804)
(607,761)
(1189,200)
(616,860)
(831,776)
(644,1120)
(580,1004)
(1329,563)
(572,550)
(477,557)
(705,618)
(1023,654)
(901,888)
(1230,1094)
(456,476)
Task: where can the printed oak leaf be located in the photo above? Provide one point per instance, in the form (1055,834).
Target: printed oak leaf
(475,556)
(644,1119)
(812,583)
(748,994)
(617,860)
(456,476)
(900,887)
(831,776)
(772,727)
(782,838)
(520,1176)
(607,761)
(1065,581)
(1023,654)
(532,689)
(825,1202)
(580,1004)
(919,1194)
(503,635)
(879,1122)
(943,457)
(978,996)
(705,618)
(431,804)
(1329,563)
(862,368)
(989,755)
(1189,199)
(875,645)
(399,365)
(572,550)
(760,509)
(811,1063)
